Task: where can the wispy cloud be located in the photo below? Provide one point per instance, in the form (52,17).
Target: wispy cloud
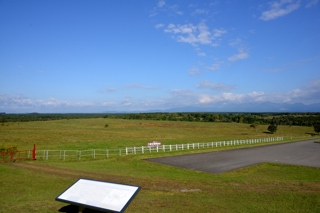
(280,8)
(308,94)
(213,67)
(201,54)
(161,3)
(215,86)
(140,86)
(22,102)
(291,64)
(194,71)
(162,6)
(312,3)
(239,56)
(195,34)
(159,26)
(200,11)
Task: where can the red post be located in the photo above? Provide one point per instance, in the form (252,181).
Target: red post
(34,152)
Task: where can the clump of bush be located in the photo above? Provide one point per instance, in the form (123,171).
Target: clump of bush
(8,148)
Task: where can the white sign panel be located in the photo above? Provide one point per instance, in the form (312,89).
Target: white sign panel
(99,195)
(154,143)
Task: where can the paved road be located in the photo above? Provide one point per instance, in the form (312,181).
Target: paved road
(305,153)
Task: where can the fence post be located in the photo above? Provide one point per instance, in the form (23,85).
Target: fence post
(34,152)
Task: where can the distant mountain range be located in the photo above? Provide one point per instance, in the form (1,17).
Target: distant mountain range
(248,107)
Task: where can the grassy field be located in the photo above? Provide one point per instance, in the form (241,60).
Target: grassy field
(92,133)
(31,186)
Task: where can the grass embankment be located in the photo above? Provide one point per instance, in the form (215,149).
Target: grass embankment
(32,186)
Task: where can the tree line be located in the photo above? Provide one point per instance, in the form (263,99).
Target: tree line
(26,117)
(290,119)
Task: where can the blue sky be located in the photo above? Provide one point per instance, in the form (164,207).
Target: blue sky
(116,55)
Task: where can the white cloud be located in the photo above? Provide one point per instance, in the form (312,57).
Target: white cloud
(200,11)
(308,94)
(213,67)
(312,3)
(240,56)
(219,32)
(159,26)
(126,103)
(195,34)
(235,42)
(194,71)
(279,8)
(161,3)
(108,103)
(139,86)
(22,102)
(215,86)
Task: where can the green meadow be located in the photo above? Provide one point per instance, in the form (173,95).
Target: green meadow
(32,186)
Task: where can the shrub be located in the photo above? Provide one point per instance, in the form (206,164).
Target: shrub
(8,148)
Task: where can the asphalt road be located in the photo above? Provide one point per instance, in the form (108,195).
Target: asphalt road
(305,153)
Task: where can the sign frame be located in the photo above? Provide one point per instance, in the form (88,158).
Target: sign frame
(121,194)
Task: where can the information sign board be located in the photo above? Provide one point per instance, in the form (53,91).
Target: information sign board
(154,143)
(104,196)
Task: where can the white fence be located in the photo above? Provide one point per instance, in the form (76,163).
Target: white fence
(106,153)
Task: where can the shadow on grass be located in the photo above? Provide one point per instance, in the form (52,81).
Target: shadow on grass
(312,134)
(75,209)
(268,133)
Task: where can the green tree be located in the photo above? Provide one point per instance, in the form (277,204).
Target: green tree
(316,127)
(255,126)
(272,128)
